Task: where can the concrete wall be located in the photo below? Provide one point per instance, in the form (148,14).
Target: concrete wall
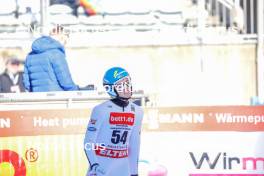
(175,75)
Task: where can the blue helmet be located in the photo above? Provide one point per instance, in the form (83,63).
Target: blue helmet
(111,76)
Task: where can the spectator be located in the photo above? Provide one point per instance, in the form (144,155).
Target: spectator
(11,80)
(3,58)
(32,19)
(46,68)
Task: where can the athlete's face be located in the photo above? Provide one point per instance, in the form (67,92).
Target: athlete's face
(124,87)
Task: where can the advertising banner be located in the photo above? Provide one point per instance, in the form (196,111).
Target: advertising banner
(191,141)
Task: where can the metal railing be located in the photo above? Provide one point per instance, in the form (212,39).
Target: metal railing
(66,99)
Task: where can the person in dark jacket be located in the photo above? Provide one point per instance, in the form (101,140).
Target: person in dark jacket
(46,68)
(11,80)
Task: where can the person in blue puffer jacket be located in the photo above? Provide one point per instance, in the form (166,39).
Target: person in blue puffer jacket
(46,68)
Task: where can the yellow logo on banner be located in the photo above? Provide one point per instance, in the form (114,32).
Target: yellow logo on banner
(6,169)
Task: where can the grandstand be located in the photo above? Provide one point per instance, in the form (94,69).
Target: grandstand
(138,16)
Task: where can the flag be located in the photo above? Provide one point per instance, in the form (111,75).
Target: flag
(89,8)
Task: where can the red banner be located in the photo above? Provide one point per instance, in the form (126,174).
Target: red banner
(218,118)
(74,121)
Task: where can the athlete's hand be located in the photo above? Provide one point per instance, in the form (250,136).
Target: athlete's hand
(99,171)
(92,171)
(96,170)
